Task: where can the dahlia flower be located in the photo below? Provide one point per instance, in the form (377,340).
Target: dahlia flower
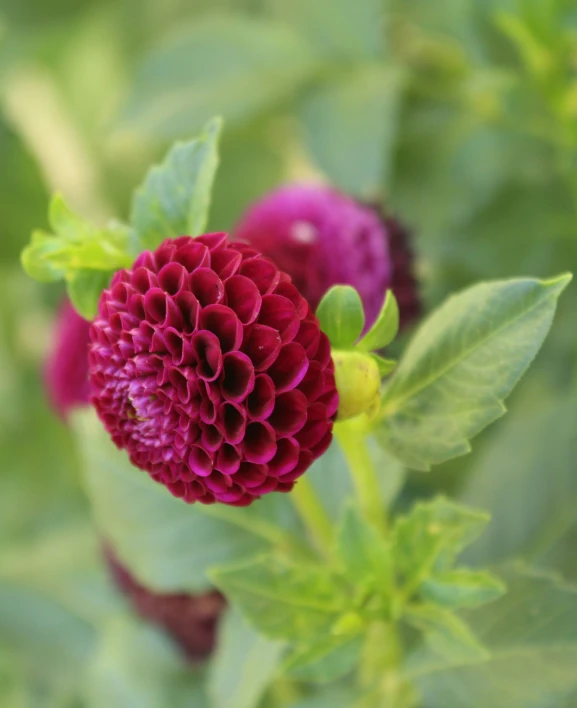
(66,370)
(190,620)
(208,366)
(322,238)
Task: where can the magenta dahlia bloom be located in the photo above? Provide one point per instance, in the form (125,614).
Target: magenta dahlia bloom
(190,620)
(322,238)
(66,371)
(209,368)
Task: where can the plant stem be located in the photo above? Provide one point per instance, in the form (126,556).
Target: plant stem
(380,671)
(313,514)
(352,437)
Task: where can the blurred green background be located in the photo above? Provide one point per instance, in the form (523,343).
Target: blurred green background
(459,114)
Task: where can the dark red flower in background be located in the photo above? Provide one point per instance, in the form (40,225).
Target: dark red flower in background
(191,620)
(324,238)
(66,371)
(209,368)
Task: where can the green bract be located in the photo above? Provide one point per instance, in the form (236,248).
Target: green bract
(358,369)
(341,316)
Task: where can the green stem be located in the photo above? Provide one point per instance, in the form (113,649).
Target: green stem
(352,437)
(380,675)
(313,514)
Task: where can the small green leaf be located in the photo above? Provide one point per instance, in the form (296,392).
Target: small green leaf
(462,363)
(327,659)
(385,327)
(446,633)
(341,316)
(37,258)
(462,588)
(78,252)
(243,664)
(429,538)
(366,556)
(84,289)
(175,197)
(282,600)
(386,366)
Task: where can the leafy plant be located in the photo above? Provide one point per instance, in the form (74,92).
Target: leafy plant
(390,575)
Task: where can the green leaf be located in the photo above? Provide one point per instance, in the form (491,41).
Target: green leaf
(243,665)
(76,244)
(463,361)
(326,659)
(365,102)
(230,65)
(37,258)
(136,665)
(51,640)
(65,566)
(167,544)
(525,476)
(282,600)
(366,557)
(341,316)
(84,289)
(341,30)
(78,252)
(385,327)
(175,197)
(462,588)
(430,537)
(446,633)
(531,637)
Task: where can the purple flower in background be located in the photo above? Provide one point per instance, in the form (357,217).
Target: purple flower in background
(322,238)
(66,371)
(209,368)
(191,620)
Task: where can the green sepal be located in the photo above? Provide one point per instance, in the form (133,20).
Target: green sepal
(341,316)
(385,366)
(385,327)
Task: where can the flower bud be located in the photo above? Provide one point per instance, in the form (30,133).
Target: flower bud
(358,383)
